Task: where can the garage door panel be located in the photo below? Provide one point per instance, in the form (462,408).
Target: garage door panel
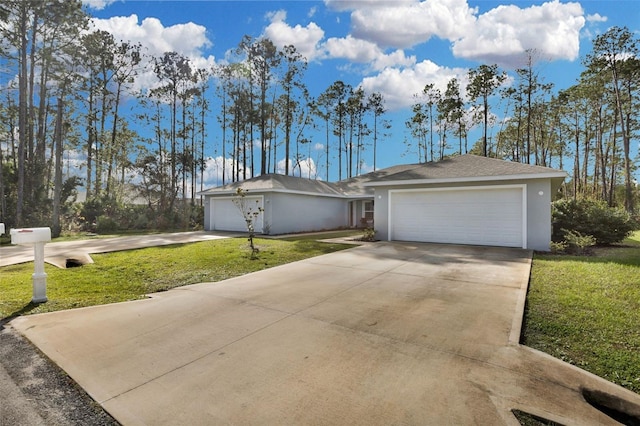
(471,216)
(225,216)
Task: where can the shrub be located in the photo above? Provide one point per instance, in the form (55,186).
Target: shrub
(607,225)
(558,247)
(95,208)
(141,221)
(578,243)
(369,234)
(105,225)
(196,218)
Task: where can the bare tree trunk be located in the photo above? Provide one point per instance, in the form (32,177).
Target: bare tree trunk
(57,188)
(576,161)
(585,162)
(3,202)
(224,138)
(22,113)
(601,155)
(326,127)
(614,166)
(112,145)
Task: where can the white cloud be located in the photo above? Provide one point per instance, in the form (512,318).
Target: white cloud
(305,168)
(277,15)
(366,168)
(187,39)
(405,24)
(305,39)
(213,171)
(342,5)
(365,52)
(505,33)
(98,4)
(596,17)
(398,86)
(396,58)
(591,30)
(502,35)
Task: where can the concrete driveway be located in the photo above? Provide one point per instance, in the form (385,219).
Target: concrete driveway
(379,334)
(56,252)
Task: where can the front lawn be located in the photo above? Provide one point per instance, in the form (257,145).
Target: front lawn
(130,275)
(586,310)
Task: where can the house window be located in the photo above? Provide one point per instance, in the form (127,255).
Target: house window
(368,210)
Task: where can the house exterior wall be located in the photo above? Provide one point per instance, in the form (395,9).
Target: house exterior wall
(287,213)
(207,213)
(538,208)
(539,198)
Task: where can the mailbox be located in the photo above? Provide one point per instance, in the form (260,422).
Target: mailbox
(36,237)
(28,236)
(1,228)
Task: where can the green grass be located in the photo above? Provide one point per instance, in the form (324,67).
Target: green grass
(324,235)
(131,275)
(5,239)
(586,310)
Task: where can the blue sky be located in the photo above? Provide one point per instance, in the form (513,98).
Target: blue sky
(392,47)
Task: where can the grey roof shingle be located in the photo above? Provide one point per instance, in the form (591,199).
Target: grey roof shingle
(458,168)
(355,186)
(276,182)
(470,167)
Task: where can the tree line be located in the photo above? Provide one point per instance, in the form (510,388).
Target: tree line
(73,95)
(586,129)
(66,87)
(266,112)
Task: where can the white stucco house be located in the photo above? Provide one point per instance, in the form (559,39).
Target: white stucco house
(466,199)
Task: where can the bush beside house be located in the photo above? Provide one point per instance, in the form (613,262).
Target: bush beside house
(577,221)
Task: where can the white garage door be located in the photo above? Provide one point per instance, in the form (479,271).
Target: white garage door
(225,216)
(492,216)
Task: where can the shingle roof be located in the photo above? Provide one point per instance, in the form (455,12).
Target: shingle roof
(467,167)
(454,169)
(355,186)
(278,183)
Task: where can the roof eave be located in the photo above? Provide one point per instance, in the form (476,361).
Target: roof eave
(210,192)
(273,190)
(550,175)
(358,196)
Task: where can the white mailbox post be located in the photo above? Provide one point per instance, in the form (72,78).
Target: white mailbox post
(37,237)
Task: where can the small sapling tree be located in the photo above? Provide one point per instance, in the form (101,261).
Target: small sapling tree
(250,210)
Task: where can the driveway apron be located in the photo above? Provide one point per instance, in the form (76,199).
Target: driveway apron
(388,333)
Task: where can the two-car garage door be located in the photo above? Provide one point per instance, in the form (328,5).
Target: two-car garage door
(493,216)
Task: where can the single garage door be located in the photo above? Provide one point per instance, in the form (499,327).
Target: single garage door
(225,216)
(492,216)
